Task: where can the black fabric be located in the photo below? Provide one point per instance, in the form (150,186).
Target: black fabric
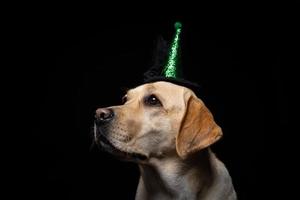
(160,56)
(182,82)
(159,59)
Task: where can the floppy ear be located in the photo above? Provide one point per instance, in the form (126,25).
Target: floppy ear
(198,129)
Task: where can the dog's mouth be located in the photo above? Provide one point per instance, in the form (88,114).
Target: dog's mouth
(107,145)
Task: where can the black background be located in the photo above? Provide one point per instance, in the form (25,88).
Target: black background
(70,62)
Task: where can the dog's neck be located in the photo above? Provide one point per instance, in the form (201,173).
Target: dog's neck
(170,177)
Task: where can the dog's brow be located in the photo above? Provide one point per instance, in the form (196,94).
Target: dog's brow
(128,92)
(150,88)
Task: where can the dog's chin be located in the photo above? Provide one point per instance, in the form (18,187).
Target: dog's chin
(122,155)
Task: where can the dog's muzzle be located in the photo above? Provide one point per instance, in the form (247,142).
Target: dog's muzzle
(103,117)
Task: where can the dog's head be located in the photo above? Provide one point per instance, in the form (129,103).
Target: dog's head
(156,119)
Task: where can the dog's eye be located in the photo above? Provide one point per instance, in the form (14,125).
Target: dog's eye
(124,99)
(152,100)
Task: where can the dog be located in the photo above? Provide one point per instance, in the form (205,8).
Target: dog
(167,130)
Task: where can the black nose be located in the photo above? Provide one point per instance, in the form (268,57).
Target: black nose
(103,115)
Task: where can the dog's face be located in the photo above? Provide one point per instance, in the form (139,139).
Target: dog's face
(156,119)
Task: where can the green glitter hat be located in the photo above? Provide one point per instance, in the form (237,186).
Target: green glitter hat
(170,69)
(166,62)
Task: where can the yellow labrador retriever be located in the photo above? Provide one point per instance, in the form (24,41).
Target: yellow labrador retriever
(167,130)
